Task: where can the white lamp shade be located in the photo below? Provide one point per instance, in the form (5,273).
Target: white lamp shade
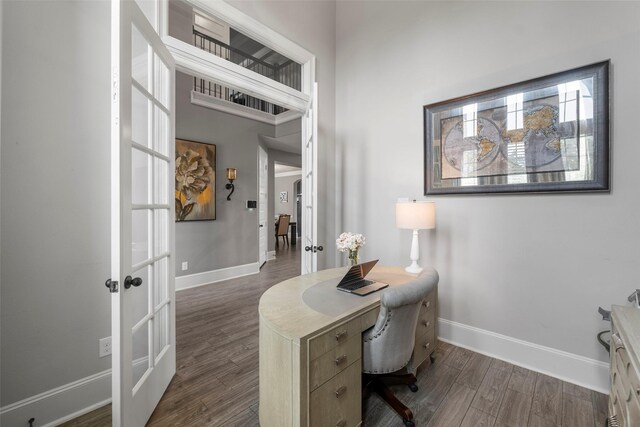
(416,215)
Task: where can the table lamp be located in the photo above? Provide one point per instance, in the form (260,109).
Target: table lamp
(414,215)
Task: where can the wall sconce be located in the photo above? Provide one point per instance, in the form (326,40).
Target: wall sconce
(231,176)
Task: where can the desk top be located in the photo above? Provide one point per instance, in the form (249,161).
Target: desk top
(305,305)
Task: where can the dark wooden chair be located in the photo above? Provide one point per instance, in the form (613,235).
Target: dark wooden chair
(282,229)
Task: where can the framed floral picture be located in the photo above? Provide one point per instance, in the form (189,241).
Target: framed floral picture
(195,181)
(543,135)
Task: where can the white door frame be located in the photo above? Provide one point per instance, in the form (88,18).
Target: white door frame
(263,197)
(202,64)
(206,65)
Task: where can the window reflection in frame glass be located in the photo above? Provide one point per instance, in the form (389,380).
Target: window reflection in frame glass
(543,135)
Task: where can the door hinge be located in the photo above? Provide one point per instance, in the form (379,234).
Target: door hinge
(112,285)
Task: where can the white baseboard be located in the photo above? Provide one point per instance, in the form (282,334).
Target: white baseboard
(271,255)
(60,404)
(207,277)
(66,402)
(590,373)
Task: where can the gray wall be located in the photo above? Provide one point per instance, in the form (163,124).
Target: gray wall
(55,194)
(544,262)
(231,239)
(311,24)
(285,183)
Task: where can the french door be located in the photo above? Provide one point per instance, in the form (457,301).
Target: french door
(142,224)
(310,183)
(263,225)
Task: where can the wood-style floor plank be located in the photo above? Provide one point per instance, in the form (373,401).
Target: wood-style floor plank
(454,407)
(216,383)
(538,421)
(576,412)
(547,399)
(474,371)
(600,404)
(492,390)
(523,380)
(477,418)
(514,410)
(458,357)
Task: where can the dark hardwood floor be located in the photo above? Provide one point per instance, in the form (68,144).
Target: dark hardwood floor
(216,383)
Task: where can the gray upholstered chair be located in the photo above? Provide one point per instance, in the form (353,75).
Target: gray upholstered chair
(388,345)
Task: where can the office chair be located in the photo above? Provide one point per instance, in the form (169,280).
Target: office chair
(388,345)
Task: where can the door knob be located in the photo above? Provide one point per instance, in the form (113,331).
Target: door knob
(128,282)
(320,248)
(307,248)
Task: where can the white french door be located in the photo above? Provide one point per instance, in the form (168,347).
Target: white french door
(142,224)
(310,183)
(263,225)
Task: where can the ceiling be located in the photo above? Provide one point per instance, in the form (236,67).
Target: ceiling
(279,168)
(291,143)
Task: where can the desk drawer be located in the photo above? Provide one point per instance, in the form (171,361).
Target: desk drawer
(333,337)
(338,401)
(429,303)
(426,322)
(334,361)
(369,318)
(424,346)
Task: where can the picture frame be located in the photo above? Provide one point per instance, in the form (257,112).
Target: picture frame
(195,181)
(549,134)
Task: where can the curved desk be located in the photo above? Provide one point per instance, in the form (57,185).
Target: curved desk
(311,345)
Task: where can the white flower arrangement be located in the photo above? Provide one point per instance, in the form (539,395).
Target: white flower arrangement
(350,242)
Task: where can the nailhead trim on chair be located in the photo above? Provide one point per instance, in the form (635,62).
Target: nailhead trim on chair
(386,323)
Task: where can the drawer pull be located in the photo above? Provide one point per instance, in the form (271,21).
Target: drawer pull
(427,345)
(341,359)
(341,423)
(341,334)
(426,304)
(340,391)
(425,323)
(617,341)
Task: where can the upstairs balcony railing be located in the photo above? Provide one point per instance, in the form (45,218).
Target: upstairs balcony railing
(289,73)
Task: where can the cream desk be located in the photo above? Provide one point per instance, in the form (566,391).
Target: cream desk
(311,346)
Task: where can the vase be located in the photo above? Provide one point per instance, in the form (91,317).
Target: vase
(353,258)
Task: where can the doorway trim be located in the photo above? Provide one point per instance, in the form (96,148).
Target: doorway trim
(206,65)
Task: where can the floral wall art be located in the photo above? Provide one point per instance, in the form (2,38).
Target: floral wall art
(195,181)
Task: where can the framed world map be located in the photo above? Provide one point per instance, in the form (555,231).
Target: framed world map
(542,135)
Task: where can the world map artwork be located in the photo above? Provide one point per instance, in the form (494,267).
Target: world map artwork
(538,142)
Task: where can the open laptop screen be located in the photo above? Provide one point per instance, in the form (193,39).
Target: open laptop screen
(357,272)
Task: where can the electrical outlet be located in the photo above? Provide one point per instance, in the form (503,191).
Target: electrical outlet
(105,346)
(185,265)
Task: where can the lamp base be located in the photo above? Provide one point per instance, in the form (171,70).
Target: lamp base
(414,268)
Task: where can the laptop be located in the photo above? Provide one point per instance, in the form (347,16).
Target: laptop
(354,281)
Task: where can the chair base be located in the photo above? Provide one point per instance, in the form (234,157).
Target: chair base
(379,384)
(285,239)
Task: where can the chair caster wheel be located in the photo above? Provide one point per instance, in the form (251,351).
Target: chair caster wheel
(413,387)
(409,423)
